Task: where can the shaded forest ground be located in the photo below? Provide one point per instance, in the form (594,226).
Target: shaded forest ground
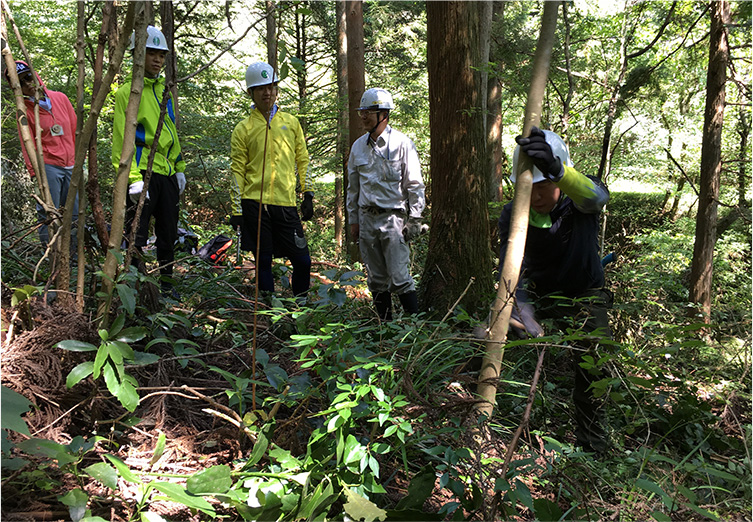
(680,407)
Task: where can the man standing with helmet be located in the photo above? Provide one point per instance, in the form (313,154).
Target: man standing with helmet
(57,120)
(385,202)
(562,278)
(266,148)
(168,180)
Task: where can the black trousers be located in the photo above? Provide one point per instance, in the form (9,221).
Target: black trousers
(163,202)
(587,312)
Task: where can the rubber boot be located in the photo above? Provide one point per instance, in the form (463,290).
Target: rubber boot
(383,305)
(409,300)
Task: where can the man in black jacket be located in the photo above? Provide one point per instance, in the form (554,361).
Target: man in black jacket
(562,278)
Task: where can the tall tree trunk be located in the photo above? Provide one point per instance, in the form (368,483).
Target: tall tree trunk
(108,29)
(356,87)
(167,21)
(342,121)
(494,121)
(271,34)
(120,190)
(300,53)
(499,316)
(81,62)
(459,247)
(701,270)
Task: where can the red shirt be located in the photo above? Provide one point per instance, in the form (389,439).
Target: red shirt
(58,150)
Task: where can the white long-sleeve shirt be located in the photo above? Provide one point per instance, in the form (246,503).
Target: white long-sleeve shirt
(386,174)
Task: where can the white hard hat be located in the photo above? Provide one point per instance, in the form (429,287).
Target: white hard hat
(260,73)
(154,39)
(559,148)
(376,99)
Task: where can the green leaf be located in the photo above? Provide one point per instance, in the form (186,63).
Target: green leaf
(76,500)
(176,493)
(143,359)
(212,480)
(76,346)
(546,510)
(123,469)
(132,334)
(419,489)
(49,449)
(104,473)
(117,326)
(127,297)
(12,406)
(99,361)
(651,487)
(125,350)
(660,517)
(260,448)
(80,372)
(361,508)
(128,396)
(159,449)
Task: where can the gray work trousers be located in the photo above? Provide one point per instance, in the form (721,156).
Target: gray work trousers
(384,251)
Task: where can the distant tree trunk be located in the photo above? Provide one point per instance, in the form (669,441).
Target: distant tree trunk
(81,63)
(342,121)
(604,164)
(108,29)
(701,269)
(356,86)
(271,34)
(167,20)
(494,121)
(300,53)
(459,248)
(568,97)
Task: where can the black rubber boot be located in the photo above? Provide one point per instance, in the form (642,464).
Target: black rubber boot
(383,305)
(409,300)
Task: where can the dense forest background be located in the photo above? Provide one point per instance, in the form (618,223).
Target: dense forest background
(118,406)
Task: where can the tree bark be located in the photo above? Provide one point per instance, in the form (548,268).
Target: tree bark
(120,190)
(109,26)
(701,270)
(494,122)
(499,317)
(356,87)
(459,247)
(271,34)
(342,121)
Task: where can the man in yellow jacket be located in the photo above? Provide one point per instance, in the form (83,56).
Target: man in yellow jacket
(266,148)
(168,179)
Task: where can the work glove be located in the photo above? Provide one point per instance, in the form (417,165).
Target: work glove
(307,206)
(522,318)
(134,191)
(236,221)
(412,228)
(541,154)
(181,182)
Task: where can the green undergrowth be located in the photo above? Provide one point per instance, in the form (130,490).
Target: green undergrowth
(346,417)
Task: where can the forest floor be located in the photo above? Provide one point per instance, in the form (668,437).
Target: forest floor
(187,402)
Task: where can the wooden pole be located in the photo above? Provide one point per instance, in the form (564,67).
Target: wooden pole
(499,317)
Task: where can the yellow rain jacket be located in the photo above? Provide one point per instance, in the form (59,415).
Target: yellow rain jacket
(286,151)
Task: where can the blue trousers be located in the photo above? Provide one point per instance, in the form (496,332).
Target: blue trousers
(59,179)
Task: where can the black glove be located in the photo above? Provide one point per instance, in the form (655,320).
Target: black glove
(307,206)
(541,154)
(236,221)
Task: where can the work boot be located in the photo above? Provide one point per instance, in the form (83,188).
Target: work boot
(409,300)
(383,305)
